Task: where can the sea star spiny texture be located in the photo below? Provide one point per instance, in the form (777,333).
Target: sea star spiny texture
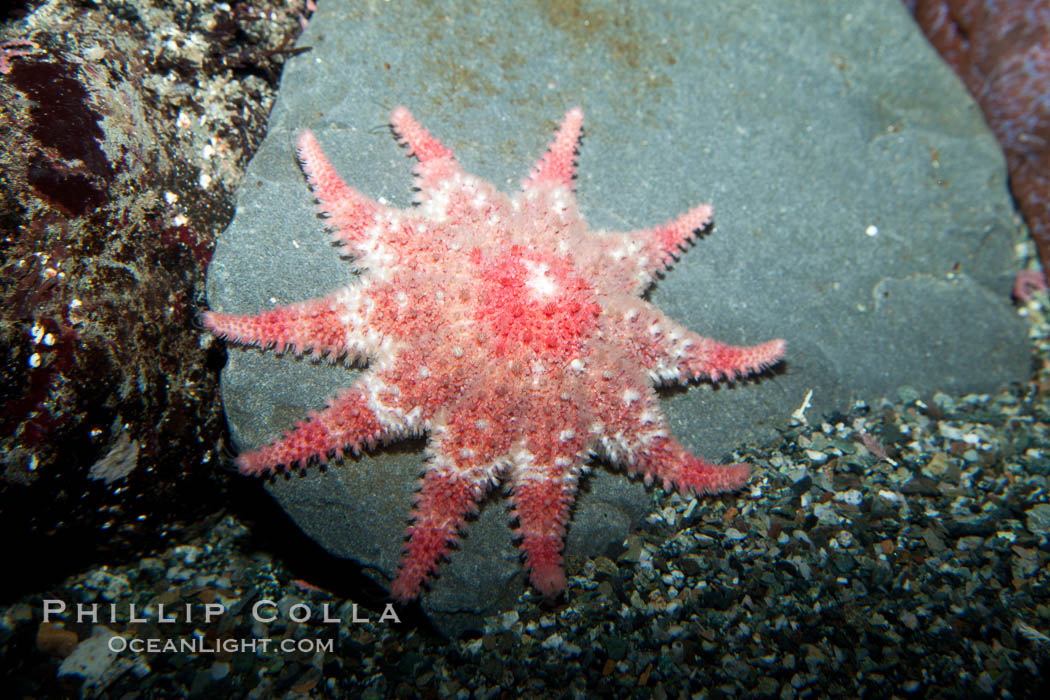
(508,332)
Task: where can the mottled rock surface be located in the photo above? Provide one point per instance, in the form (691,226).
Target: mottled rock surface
(125,127)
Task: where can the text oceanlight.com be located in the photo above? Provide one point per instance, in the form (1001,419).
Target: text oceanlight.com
(199,645)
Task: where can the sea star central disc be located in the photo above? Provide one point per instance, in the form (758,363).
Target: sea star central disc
(534,302)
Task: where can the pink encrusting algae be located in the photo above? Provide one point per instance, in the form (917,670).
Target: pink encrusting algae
(1001,50)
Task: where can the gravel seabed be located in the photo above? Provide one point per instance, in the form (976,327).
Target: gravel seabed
(896,550)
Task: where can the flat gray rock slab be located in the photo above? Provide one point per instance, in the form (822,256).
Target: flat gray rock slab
(860,212)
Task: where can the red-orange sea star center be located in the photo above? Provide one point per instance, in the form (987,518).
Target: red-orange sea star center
(534,299)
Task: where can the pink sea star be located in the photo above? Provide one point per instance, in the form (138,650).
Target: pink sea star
(506,330)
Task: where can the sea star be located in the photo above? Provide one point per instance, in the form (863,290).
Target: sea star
(509,333)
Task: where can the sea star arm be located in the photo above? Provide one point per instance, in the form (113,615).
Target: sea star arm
(351,214)
(348,422)
(672,353)
(711,359)
(664,458)
(558,164)
(436,161)
(543,495)
(661,245)
(448,494)
(632,258)
(330,325)
(645,445)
